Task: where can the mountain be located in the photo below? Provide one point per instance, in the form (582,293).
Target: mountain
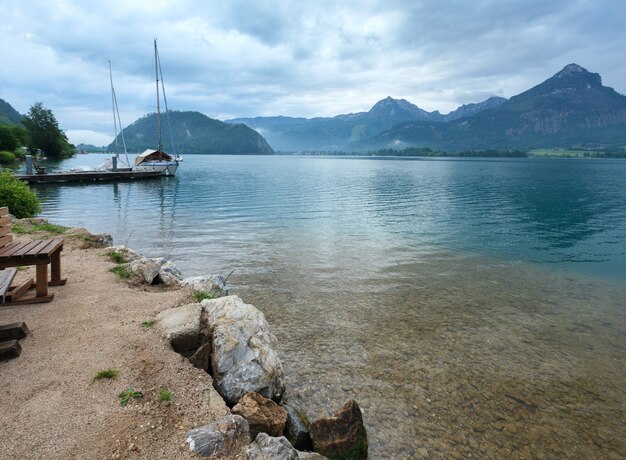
(8,115)
(339,132)
(572,108)
(467,110)
(194,133)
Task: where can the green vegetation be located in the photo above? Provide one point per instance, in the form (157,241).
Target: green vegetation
(127,394)
(199,296)
(165,395)
(121,271)
(117,257)
(7,158)
(429,152)
(579,153)
(106,374)
(148,323)
(28,227)
(45,134)
(15,194)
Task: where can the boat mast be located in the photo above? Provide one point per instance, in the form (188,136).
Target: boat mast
(156,69)
(117,121)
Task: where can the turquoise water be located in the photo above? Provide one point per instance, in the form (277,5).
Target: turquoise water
(472,307)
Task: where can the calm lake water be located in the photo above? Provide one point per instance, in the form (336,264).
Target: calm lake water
(474,308)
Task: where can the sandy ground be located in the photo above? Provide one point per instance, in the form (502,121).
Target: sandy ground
(51,407)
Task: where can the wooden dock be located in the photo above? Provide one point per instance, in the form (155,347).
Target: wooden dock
(87,176)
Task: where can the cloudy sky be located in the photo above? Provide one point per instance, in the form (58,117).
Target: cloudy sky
(234,58)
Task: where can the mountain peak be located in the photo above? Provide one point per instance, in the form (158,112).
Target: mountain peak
(574,72)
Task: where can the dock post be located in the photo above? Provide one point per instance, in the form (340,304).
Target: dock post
(114,163)
(29,164)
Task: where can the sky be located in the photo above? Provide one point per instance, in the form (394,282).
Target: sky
(234,58)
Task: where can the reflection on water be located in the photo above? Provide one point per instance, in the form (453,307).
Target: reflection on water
(471,307)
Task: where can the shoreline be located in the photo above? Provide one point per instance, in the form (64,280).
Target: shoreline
(53,408)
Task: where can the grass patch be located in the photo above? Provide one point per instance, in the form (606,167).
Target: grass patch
(121,271)
(127,394)
(148,324)
(199,296)
(19,229)
(117,257)
(106,374)
(165,395)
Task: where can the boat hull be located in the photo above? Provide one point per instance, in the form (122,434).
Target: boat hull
(166,168)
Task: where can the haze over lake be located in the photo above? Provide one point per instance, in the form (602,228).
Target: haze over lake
(469,306)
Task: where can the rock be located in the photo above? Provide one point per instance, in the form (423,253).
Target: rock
(263,415)
(128,253)
(266,447)
(297,429)
(244,357)
(169,274)
(342,436)
(102,240)
(181,326)
(310,456)
(214,284)
(146,269)
(221,438)
(201,356)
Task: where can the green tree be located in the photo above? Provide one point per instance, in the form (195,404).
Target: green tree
(15,194)
(8,139)
(45,134)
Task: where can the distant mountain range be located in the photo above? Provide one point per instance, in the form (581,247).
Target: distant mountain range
(344,131)
(194,133)
(8,115)
(570,109)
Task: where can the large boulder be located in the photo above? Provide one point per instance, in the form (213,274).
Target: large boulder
(244,357)
(297,429)
(169,275)
(220,439)
(211,284)
(342,436)
(266,447)
(182,327)
(263,415)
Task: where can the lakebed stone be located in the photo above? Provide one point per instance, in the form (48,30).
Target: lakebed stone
(266,447)
(221,438)
(263,415)
(342,436)
(244,357)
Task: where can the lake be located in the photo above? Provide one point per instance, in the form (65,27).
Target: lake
(473,307)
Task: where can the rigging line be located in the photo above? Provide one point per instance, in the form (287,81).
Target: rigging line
(117,121)
(167,116)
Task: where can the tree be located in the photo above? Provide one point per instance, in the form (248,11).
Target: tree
(45,133)
(8,139)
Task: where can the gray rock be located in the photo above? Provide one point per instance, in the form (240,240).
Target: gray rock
(146,269)
(221,438)
(297,429)
(181,326)
(127,252)
(169,274)
(266,447)
(244,357)
(207,283)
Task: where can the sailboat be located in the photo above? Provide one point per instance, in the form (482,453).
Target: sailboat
(115,163)
(158,160)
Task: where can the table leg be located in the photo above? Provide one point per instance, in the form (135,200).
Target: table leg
(41,281)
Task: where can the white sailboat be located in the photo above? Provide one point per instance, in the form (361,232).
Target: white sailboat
(158,160)
(115,163)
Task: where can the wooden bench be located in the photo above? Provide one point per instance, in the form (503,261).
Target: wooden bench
(39,253)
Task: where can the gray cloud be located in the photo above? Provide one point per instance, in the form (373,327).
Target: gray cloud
(270,57)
